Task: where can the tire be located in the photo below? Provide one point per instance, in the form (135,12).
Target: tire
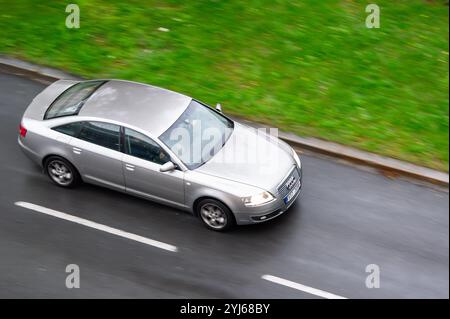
(215,215)
(61,172)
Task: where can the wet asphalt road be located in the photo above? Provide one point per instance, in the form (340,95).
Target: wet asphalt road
(345,219)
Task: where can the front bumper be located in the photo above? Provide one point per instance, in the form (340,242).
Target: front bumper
(263,213)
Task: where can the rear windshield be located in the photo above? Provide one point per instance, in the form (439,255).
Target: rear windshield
(72,99)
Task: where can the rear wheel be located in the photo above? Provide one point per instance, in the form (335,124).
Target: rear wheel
(61,172)
(215,215)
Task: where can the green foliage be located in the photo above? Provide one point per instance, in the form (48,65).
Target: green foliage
(310,67)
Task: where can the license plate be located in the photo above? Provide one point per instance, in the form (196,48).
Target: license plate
(291,195)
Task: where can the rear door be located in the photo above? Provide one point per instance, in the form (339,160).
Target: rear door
(97,154)
(141,163)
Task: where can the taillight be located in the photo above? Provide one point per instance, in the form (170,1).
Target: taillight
(22,130)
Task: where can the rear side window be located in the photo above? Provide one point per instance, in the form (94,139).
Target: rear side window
(72,99)
(71,129)
(103,134)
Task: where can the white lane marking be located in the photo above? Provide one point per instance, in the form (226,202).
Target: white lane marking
(301,287)
(98,226)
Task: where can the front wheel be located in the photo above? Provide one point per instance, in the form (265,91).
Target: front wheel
(215,215)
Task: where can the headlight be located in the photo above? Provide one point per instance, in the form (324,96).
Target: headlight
(297,159)
(259,199)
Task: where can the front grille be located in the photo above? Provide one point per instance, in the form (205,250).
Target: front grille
(283,188)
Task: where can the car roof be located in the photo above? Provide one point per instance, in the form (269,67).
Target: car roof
(147,107)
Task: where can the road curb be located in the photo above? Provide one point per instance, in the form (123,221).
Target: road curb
(20,67)
(388,166)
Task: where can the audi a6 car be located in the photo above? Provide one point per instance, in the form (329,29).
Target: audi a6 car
(160,145)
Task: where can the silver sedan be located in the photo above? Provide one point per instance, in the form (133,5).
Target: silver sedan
(163,146)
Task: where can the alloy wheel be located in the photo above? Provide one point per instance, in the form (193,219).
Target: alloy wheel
(60,173)
(213,216)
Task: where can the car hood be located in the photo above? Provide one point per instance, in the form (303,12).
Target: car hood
(252,157)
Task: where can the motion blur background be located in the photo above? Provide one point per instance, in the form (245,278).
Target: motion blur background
(309,67)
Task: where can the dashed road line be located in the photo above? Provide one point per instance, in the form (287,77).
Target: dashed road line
(309,290)
(91,224)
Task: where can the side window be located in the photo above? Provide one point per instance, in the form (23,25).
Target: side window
(71,129)
(103,134)
(139,145)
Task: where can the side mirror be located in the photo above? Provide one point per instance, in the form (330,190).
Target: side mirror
(167,167)
(219,107)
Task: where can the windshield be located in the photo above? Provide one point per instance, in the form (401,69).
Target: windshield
(198,134)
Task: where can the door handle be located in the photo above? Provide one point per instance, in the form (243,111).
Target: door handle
(129,167)
(77,150)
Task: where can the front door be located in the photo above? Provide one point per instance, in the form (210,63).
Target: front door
(141,163)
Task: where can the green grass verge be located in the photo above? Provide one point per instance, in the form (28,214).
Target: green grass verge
(309,67)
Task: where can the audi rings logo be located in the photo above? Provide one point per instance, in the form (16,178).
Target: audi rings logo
(291,182)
